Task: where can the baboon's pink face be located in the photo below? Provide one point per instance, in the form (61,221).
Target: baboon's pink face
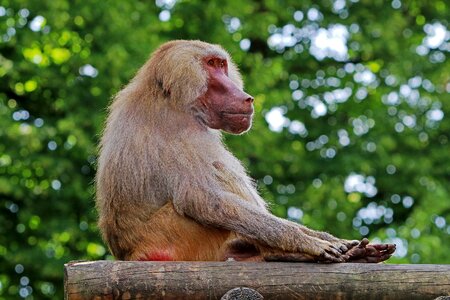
(224,104)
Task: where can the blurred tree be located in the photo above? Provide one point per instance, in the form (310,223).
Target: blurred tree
(351,133)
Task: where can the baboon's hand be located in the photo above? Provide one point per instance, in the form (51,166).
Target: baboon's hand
(343,245)
(369,253)
(324,251)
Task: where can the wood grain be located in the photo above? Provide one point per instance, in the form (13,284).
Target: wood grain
(211,280)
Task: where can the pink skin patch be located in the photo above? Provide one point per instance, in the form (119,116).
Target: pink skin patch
(157,256)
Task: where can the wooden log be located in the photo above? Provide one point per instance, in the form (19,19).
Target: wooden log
(212,280)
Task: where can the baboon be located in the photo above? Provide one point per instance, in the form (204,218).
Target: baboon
(167,187)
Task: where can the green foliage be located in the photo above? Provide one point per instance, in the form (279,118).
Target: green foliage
(351,130)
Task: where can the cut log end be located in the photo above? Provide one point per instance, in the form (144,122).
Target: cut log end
(242,293)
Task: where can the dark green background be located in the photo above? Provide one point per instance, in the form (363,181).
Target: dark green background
(386,125)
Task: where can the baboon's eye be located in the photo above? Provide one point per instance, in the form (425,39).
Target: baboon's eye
(211,62)
(222,64)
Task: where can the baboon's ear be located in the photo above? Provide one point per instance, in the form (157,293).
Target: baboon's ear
(160,85)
